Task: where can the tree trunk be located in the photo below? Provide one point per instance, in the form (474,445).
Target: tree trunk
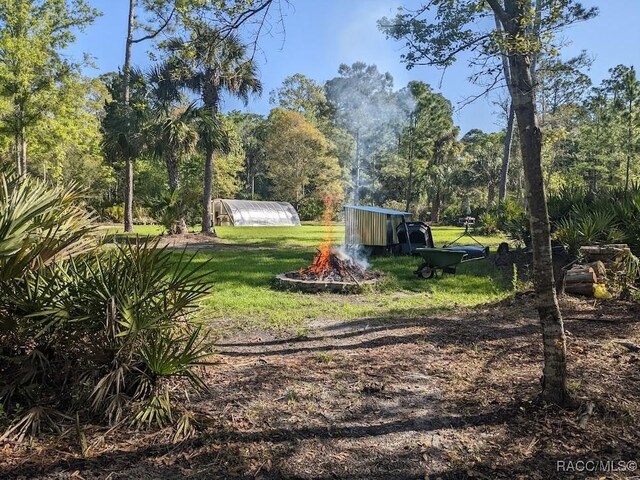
(253,186)
(17,154)
(435,207)
(554,386)
(410,182)
(629,145)
(506,156)
(491,194)
(22,151)
(173,174)
(126,95)
(128,196)
(207,192)
(409,195)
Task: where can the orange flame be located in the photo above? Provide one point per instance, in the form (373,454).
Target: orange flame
(322,261)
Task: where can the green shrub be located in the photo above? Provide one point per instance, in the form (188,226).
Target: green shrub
(168,210)
(488,223)
(611,216)
(114,213)
(311,208)
(99,332)
(142,216)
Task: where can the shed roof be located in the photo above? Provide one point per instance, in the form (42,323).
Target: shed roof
(384,211)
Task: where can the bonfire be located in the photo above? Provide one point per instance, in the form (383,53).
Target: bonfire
(334,264)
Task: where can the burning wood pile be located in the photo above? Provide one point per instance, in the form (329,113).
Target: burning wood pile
(333,265)
(332,269)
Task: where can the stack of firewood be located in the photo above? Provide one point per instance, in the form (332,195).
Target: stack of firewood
(616,252)
(582,279)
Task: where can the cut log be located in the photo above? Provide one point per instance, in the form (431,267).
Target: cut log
(579,288)
(603,252)
(581,276)
(580,269)
(629,345)
(599,268)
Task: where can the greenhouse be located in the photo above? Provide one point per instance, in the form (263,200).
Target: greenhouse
(253,213)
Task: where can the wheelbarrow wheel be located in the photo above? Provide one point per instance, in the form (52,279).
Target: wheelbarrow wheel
(427,272)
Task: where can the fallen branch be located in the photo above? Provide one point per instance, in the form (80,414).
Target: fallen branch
(634,347)
(588,411)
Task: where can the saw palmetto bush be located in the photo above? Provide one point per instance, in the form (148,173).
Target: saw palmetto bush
(587,225)
(583,218)
(86,331)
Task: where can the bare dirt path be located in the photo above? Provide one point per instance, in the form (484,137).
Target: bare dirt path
(444,397)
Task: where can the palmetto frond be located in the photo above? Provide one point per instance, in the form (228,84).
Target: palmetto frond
(39,224)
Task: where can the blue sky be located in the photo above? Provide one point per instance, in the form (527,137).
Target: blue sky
(319,35)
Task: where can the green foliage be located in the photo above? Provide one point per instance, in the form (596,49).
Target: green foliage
(96,331)
(311,209)
(114,213)
(37,225)
(583,218)
(168,210)
(489,223)
(298,161)
(35,75)
(514,221)
(301,94)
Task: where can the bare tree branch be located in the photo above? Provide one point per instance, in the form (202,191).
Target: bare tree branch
(158,31)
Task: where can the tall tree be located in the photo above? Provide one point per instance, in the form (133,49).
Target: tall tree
(625,88)
(33,35)
(301,94)
(211,65)
(251,129)
(298,159)
(460,26)
(124,128)
(435,142)
(511,115)
(172,133)
(484,151)
(65,146)
(157,17)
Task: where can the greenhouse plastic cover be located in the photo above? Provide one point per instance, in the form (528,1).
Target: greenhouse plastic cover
(250,213)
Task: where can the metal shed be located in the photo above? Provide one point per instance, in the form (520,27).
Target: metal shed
(253,213)
(372,226)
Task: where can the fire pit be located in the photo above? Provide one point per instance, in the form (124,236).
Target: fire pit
(332,270)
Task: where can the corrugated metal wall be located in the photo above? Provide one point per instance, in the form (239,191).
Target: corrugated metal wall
(368,228)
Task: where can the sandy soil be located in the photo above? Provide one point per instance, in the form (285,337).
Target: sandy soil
(441,397)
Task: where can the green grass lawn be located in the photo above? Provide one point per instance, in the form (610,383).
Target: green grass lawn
(306,236)
(243,296)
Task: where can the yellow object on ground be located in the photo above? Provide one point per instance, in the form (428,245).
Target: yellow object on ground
(600,291)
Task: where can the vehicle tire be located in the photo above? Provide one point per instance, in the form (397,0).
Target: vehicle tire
(427,272)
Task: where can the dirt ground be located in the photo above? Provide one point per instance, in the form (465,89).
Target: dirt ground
(446,397)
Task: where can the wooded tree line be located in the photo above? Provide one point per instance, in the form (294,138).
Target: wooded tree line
(154,144)
(354,137)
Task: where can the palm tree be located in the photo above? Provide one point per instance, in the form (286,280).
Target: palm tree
(211,64)
(172,134)
(123,128)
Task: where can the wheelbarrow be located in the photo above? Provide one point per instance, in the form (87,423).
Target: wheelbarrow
(446,259)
